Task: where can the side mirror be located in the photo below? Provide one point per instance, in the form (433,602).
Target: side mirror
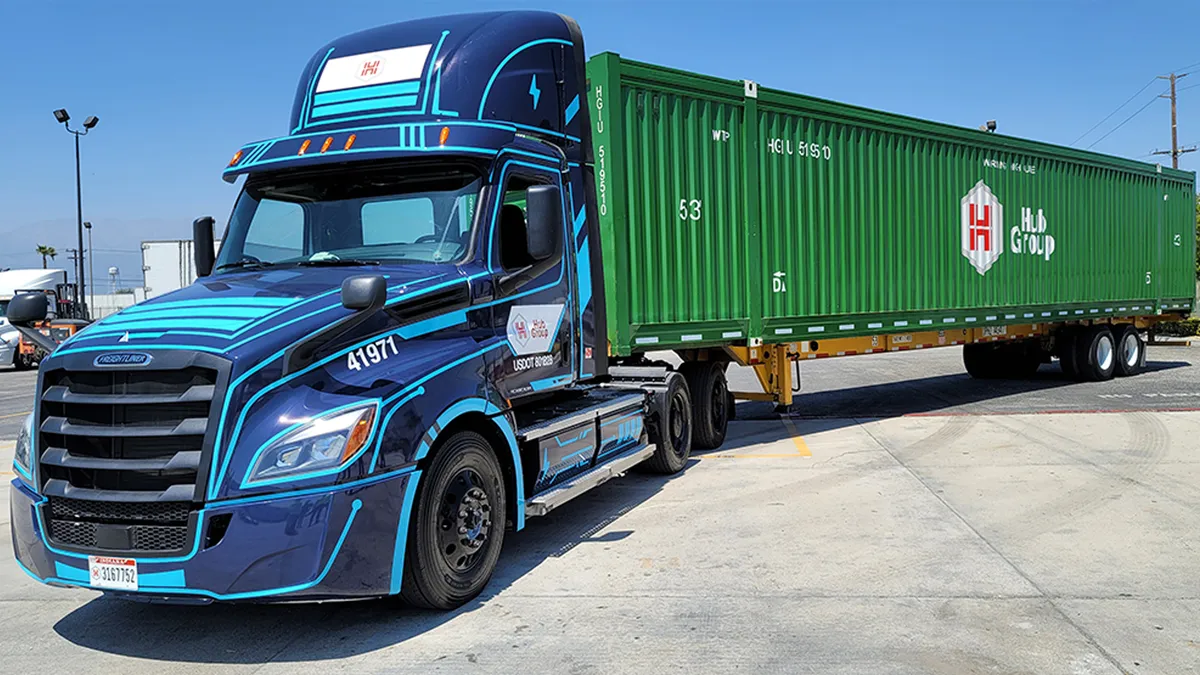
(543,221)
(368,292)
(204,252)
(27,308)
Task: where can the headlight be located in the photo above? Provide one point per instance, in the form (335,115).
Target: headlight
(321,445)
(24,446)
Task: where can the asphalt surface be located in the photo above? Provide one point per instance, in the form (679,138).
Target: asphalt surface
(903,519)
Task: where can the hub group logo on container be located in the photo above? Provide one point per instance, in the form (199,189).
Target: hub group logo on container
(982,227)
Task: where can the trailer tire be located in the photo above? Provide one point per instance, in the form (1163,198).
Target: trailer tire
(1065,347)
(1095,354)
(709,391)
(670,426)
(445,566)
(1131,350)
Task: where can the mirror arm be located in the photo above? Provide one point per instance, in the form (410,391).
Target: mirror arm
(37,338)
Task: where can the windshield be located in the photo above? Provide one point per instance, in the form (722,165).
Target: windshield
(384,215)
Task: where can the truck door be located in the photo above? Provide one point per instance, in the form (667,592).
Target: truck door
(535,300)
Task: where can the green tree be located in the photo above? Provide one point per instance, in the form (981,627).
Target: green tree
(46,251)
(1198,236)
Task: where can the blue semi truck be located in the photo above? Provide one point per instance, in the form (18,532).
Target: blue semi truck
(397,355)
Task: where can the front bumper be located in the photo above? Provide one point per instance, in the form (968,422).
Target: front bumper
(344,541)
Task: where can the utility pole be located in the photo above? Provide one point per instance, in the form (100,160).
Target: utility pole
(1175,151)
(77,258)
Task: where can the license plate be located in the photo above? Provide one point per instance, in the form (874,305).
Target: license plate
(118,573)
(995,331)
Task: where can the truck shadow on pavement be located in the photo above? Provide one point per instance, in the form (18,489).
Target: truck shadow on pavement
(1048,390)
(254,634)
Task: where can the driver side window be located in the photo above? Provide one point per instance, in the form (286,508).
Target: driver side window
(510,226)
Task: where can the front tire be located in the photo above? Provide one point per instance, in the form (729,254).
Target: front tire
(457,529)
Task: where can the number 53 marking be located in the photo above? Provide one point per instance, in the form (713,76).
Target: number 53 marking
(372,354)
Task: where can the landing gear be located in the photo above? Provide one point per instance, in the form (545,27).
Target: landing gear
(458,525)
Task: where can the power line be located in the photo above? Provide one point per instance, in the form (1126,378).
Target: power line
(1123,122)
(1190,86)
(1114,112)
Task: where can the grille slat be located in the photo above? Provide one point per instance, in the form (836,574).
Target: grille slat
(178,462)
(121,452)
(63,394)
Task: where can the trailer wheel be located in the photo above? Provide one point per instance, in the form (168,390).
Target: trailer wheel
(670,427)
(1065,349)
(457,529)
(709,392)
(1131,351)
(1095,354)
(23,362)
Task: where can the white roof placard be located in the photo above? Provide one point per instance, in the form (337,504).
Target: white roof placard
(360,70)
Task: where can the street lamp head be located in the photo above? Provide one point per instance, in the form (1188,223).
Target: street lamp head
(61,115)
(90,122)
(87,224)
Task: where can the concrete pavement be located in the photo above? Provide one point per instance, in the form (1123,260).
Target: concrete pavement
(961,534)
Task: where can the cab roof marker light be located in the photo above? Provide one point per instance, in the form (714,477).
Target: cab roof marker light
(328,142)
(236,156)
(304,147)
(444,136)
(350,141)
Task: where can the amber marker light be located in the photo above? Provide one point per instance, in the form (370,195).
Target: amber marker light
(328,142)
(304,147)
(236,156)
(359,435)
(444,135)
(349,142)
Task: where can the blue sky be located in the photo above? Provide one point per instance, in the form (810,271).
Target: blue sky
(179,86)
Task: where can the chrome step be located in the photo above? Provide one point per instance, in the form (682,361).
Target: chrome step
(541,504)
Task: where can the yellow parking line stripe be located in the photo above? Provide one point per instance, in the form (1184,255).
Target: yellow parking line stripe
(797,439)
(4,417)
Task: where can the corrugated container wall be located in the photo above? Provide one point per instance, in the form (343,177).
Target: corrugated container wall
(731,212)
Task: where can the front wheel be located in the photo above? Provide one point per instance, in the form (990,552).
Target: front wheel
(458,526)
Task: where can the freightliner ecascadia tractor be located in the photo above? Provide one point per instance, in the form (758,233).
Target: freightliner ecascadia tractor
(428,317)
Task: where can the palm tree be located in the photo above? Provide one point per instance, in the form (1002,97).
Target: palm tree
(46,251)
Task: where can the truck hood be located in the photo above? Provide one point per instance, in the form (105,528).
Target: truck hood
(246,316)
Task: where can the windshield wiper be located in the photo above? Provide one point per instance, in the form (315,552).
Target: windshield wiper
(336,262)
(245,262)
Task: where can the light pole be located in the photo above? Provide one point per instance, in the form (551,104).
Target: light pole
(91,261)
(64,119)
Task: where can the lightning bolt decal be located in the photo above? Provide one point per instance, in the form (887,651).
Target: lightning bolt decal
(534,91)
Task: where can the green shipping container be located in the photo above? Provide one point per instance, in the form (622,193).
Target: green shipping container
(730,212)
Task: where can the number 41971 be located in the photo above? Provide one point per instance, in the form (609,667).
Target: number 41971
(372,354)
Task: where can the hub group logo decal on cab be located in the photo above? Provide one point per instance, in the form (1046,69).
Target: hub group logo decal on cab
(531,328)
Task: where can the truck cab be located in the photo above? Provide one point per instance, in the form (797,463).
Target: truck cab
(398,353)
